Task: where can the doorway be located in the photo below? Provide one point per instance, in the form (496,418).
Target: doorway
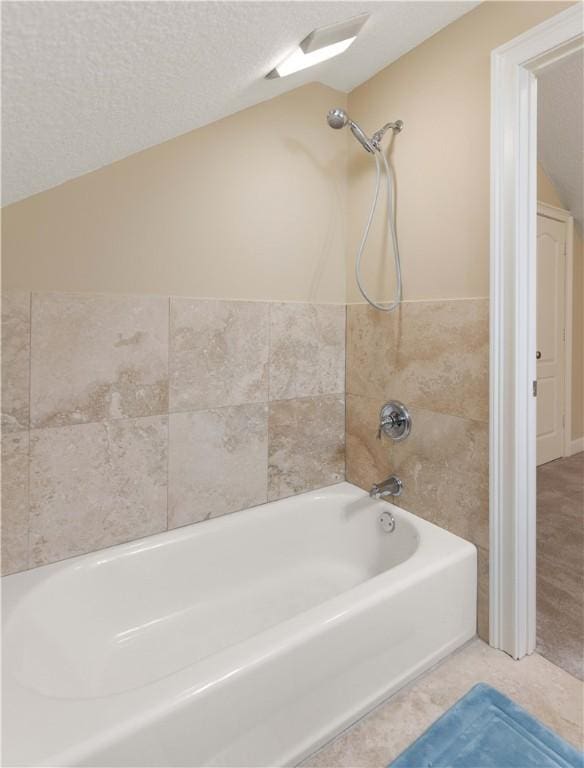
(515,68)
(559,365)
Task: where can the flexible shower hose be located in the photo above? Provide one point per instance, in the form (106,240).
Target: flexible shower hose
(391,221)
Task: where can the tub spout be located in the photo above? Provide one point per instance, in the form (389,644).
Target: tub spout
(393,486)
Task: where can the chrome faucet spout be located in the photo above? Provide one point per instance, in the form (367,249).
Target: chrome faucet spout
(393,486)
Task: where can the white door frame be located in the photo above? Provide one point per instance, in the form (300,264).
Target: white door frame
(513,327)
(559,214)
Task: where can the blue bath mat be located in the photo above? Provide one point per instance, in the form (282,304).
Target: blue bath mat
(485,729)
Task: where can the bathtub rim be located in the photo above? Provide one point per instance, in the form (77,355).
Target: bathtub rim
(17,586)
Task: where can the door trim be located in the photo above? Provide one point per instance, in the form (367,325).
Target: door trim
(559,214)
(512,324)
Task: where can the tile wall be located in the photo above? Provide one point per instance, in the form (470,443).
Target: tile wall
(164,411)
(167,411)
(433,356)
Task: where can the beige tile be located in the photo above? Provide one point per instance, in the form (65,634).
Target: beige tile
(218,462)
(307,445)
(307,350)
(433,355)
(443,465)
(483,594)
(546,691)
(98,357)
(15,360)
(218,353)
(94,485)
(14,502)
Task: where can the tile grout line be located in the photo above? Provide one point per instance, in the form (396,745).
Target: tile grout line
(365,396)
(168,413)
(187,410)
(345,387)
(270,305)
(28,447)
(188,297)
(239,300)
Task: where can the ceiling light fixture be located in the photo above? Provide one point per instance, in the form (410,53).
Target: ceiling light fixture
(321,44)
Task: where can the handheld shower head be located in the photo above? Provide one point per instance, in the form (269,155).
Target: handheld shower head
(361,136)
(338,118)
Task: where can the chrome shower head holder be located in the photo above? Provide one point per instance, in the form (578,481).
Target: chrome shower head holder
(396,127)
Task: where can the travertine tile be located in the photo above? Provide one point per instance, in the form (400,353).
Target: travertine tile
(94,485)
(15,360)
(433,355)
(218,353)
(307,350)
(306,445)
(443,465)
(97,357)
(217,462)
(14,502)
(544,690)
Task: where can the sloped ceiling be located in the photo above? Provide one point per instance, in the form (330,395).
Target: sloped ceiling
(88,83)
(561,130)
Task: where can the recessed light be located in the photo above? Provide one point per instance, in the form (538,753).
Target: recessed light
(321,44)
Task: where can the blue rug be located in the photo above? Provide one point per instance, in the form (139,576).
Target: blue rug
(485,729)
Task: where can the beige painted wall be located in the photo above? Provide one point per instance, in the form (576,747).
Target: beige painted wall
(252,206)
(255,206)
(546,193)
(441,90)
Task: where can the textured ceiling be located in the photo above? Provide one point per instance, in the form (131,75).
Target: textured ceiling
(88,83)
(561,130)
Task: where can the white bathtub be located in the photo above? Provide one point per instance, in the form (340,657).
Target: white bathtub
(248,640)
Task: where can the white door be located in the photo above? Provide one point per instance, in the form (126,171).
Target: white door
(551,255)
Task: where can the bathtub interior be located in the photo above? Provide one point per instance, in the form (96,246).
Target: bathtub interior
(125,617)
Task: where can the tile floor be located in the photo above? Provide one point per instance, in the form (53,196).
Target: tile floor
(560,563)
(543,689)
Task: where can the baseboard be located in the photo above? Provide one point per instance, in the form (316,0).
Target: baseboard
(576,446)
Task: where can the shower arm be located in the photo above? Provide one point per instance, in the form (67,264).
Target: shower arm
(378,135)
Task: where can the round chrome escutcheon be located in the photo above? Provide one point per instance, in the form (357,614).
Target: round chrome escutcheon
(387,522)
(395,420)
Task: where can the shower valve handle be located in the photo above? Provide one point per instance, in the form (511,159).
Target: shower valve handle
(394,421)
(391,421)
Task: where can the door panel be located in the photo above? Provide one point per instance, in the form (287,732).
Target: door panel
(550,338)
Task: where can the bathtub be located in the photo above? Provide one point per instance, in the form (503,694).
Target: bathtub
(248,640)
